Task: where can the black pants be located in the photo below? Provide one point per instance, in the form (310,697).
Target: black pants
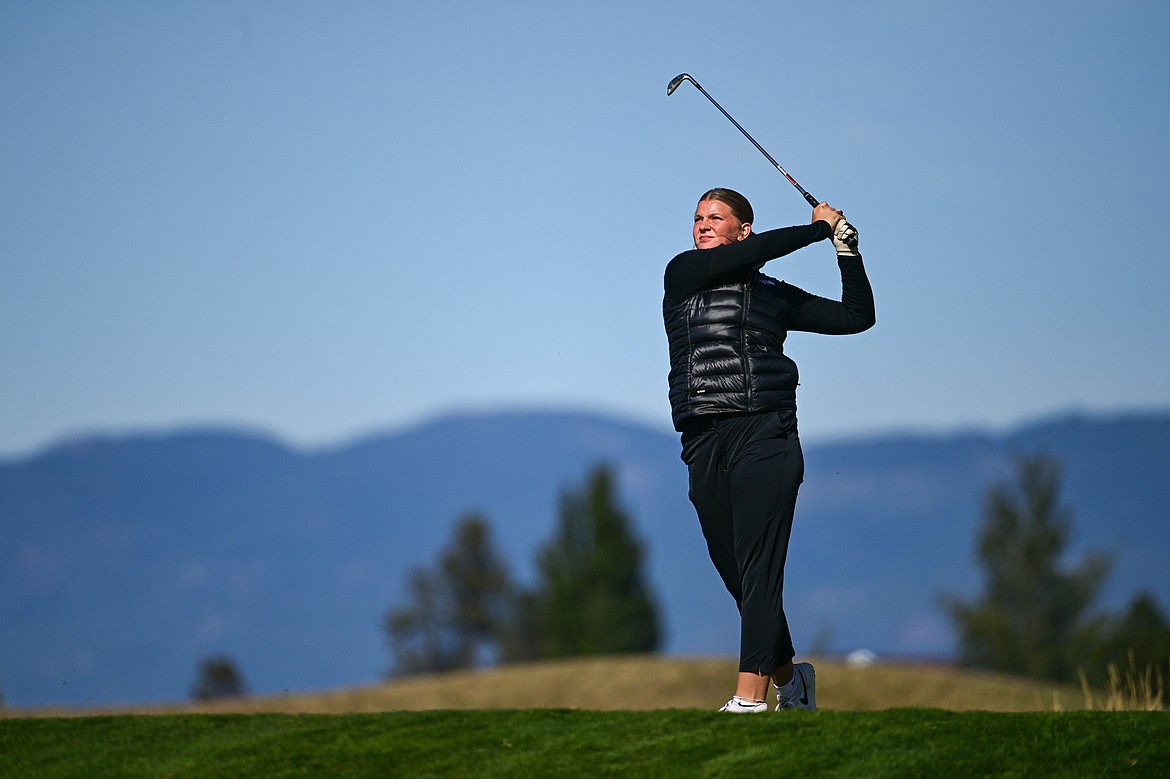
(745,471)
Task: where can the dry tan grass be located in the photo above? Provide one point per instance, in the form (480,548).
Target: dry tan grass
(649,682)
(1134,690)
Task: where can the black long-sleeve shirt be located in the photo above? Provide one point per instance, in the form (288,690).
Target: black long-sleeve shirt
(698,269)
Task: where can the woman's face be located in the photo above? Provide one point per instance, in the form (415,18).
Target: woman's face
(715,225)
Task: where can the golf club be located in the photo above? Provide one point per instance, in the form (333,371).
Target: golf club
(681,77)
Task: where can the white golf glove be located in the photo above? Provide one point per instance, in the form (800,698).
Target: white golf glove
(845,240)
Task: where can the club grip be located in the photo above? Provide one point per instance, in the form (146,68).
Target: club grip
(812,201)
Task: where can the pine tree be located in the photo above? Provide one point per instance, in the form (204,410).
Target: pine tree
(1031,619)
(479,588)
(457,610)
(591,597)
(418,633)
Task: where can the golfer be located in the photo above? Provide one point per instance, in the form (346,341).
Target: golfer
(733,399)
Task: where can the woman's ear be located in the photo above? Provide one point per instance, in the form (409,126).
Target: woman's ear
(745,230)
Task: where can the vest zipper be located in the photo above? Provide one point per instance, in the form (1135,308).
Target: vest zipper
(747,373)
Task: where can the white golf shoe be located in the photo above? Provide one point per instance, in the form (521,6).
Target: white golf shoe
(738,705)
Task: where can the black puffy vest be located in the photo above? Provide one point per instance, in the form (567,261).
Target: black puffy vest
(727,350)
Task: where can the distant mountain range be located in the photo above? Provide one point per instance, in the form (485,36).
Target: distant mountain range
(126,560)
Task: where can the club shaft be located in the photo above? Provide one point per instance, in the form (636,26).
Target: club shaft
(811,200)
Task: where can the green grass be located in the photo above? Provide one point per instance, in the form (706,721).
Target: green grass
(561,742)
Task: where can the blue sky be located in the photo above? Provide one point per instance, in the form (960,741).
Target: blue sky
(320,219)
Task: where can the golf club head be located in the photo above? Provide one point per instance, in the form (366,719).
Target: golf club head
(674,82)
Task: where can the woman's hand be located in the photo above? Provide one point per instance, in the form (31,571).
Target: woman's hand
(845,240)
(826,213)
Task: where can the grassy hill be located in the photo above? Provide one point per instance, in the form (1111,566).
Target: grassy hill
(570,743)
(561,719)
(645,682)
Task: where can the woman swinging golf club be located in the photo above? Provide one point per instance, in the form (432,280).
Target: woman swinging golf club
(733,399)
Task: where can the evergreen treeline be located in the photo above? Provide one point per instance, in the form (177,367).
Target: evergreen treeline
(1034,617)
(590,597)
